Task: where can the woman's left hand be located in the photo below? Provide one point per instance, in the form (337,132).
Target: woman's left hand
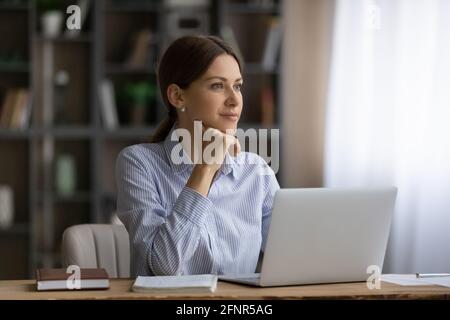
(221,144)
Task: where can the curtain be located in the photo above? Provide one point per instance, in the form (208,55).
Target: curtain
(388,119)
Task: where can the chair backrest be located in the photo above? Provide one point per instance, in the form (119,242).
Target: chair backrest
(98,246)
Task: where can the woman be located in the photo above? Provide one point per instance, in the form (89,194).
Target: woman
(195,217)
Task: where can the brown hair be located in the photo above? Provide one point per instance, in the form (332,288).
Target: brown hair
(183,62)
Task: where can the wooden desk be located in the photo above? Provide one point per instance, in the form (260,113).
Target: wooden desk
(121,289)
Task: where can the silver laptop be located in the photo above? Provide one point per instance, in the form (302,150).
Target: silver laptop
(324,236)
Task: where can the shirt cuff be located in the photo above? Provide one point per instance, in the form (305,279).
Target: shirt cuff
(192,205)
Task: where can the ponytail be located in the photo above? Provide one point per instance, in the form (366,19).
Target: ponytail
(163,130)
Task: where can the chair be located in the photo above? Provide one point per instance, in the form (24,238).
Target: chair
(98,246)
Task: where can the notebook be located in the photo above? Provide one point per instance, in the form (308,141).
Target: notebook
(56,279)
(203,283)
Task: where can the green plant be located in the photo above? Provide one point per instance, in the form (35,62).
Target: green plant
(140,93)
(137,99)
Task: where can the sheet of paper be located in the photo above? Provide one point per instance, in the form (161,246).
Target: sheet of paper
(405,279)
(440,281)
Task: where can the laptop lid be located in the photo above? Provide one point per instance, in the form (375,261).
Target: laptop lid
(326,235)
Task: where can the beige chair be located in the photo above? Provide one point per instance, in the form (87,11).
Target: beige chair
(98,246)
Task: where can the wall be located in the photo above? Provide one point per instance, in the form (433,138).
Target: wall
(306,55)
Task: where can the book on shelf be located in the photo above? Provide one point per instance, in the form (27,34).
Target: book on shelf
(273,45)
(267,106)
(108,104)
(16,109)
(141,53)
(61,279)
(25,118)
(202,283)
(6,109)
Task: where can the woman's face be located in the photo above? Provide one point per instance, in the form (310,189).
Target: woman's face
(216,97)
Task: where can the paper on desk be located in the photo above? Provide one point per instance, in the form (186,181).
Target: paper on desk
(440,281)
(412,280)
(182,283)
(404,279)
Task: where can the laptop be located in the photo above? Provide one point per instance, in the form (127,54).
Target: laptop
(324,236)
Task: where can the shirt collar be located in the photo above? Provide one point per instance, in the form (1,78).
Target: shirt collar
(229,165)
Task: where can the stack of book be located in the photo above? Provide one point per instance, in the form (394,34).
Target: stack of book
(141,55)
(15,109)
(61,279)
(202,283)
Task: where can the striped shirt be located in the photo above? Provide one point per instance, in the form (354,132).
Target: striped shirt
(175,230)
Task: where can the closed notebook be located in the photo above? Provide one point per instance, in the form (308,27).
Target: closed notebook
(56,279)
(202,283)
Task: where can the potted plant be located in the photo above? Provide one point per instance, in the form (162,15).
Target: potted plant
(139,96)
(51,17)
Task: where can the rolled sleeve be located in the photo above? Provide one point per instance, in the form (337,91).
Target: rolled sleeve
(193,205)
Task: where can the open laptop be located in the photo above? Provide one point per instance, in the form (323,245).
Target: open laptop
(324,236)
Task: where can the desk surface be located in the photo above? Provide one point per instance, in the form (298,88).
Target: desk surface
(121,289)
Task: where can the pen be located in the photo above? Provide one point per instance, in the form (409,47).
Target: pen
(431,275)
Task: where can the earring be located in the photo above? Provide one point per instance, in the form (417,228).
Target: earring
(183,109)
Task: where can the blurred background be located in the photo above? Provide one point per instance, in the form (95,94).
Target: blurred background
(359,90)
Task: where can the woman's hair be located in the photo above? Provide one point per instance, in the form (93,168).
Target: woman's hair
(183,62)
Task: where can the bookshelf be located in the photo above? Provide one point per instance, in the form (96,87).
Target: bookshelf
(15,143)
(60,164)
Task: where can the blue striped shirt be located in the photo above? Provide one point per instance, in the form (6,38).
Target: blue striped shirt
(175,230)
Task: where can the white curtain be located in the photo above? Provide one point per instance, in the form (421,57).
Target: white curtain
(388,119)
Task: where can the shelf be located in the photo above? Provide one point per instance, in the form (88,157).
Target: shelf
(82,38)
(72,132)
(21,228)
(57,132)
(124,69)
(243,8)
(65,132)
(15,68)
(130,8)
(17,7)
(77,197)
(129,132)
(82,132)
(6,133)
